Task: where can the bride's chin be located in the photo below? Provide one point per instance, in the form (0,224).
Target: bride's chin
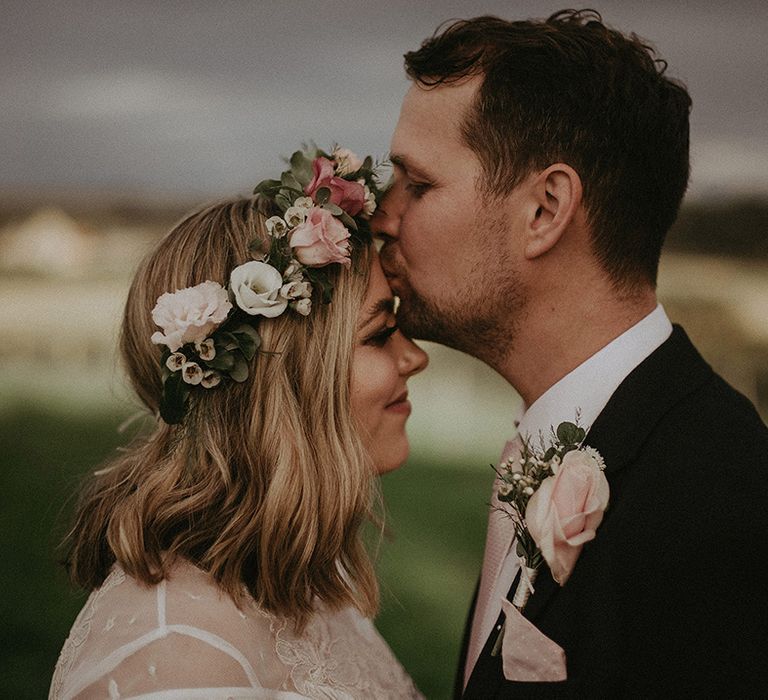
(392,458)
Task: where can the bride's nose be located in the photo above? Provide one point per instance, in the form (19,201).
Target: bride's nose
(411,358)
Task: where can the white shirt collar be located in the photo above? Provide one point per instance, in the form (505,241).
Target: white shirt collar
(588,388)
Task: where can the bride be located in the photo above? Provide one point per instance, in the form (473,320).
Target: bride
(222,550)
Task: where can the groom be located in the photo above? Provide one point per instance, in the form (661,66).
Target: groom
(537,168)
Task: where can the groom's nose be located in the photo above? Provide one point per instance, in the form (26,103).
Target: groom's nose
(385,223)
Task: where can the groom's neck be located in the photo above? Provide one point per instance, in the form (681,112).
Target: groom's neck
(561,331)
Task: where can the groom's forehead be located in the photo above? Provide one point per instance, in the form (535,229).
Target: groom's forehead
(430,119)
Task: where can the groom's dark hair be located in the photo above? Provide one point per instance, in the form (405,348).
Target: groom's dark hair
(569,89)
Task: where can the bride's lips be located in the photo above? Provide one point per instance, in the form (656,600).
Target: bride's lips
(400,404)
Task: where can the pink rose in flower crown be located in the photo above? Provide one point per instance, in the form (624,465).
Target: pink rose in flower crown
(189,315)
(566,510)
(348,195)
(322,239)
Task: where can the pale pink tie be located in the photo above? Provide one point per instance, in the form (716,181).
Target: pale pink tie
(498,539)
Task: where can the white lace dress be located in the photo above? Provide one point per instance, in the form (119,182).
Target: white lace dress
(185,639)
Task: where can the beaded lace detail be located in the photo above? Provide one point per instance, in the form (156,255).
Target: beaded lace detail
(184,638)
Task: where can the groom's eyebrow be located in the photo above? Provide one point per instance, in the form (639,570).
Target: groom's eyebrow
(409,167)
(381,306)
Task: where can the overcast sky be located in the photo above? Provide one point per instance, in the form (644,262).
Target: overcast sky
(204,98)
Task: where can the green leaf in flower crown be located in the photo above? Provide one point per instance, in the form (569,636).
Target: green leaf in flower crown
(301,167)
(335,209)
(240,371)
(348,221)
(289,180)
(248,339)
(174,399)
(323,195)
(367,163)
(265,186)
(568,433)
(282,201)
(224,361)
(227,340)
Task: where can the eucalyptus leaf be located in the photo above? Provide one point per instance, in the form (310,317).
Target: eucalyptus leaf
(288,180)
(301,167)
(224,361)
(335,209)
(240,371)
(227,340)
(348,221)
(567,433)
(282,201)
(265,186)
(323,195)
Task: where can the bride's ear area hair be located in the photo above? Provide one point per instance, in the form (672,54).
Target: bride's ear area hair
(556,195)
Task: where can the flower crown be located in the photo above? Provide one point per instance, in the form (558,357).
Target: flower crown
(209,332)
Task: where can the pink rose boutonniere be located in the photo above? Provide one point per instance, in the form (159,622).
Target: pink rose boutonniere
(556,497)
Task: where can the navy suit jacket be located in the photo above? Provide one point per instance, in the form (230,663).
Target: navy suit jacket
(671,597)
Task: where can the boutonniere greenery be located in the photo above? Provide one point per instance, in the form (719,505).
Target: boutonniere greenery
(556,494)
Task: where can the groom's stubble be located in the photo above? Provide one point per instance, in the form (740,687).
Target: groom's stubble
(479,314)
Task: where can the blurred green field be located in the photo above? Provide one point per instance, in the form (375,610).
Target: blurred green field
(428,565)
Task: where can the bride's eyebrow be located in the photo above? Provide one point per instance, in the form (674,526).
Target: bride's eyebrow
(385,305)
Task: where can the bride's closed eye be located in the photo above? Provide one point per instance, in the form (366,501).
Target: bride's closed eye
(381,336)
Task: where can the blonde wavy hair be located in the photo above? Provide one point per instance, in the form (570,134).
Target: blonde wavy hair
(265,484)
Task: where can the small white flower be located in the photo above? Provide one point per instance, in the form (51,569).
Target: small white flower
(592,452)
(298,289)
(346,161)
(276,227)
(206,350)
(302,306)
(528,491)
(295,215)
(210,379)
(256,286)
(176,361)
(505,489)
(369,206)
(192,373)
(304,203)
(293,272)
(516,476)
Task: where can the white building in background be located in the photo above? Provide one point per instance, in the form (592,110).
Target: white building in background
(48,243)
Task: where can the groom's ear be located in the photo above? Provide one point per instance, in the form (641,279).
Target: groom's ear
(556,193)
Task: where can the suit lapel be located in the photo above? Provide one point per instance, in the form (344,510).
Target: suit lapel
(667,375)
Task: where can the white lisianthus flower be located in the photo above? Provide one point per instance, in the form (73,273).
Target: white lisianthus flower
(206,350)
(210,379)
(304,202)
(192,373)
(295,215)
(189,315)
(291,290)
(176,361)
(346,161)
(369,203)
(302,306)
(276,227)
(256,287)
